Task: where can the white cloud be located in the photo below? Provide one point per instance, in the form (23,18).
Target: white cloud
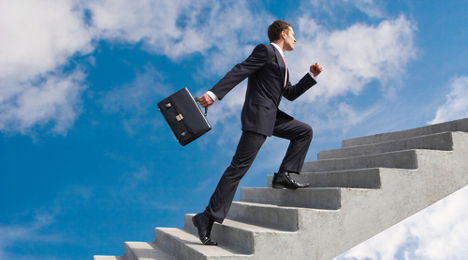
(336,10)
(222,111)
(367,6)
(133,180)
(222,32)
(134,100)
(39,36)
(375,248)
(28,232)
(133,21)
(51,33)
(137,96)
(442,230)
(34,226)
(345,116)
(181,27)
(353,57)
(437,232)
(456,106)
(54,99)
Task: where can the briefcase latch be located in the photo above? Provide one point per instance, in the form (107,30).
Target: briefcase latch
(179,117)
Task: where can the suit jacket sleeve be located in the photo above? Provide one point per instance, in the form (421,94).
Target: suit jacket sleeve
(292,92)
(241,71)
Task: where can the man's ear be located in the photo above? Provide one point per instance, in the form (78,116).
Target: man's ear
(283,34)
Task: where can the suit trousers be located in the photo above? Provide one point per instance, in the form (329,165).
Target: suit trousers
(300,136)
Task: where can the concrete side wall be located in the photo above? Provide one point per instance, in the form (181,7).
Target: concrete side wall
(365,213)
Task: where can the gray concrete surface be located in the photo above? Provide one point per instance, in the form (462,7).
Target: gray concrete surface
(440,141)
(318,198)
(360,178)
(386,180)
(460,125)
(109,257)
(401,159)
(265,215)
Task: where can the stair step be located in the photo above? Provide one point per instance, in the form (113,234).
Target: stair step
(350,200)
(146,251)
(440,141)
(185,245)
(265,215)
(361,178)
(317,198)
(402,159)
(234,234)
(109,257)
(456,125)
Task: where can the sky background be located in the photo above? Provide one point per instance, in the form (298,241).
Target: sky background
(88,162)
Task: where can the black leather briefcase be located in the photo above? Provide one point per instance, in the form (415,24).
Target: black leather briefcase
(184,116)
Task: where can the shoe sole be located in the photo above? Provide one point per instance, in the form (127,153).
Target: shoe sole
(282,187)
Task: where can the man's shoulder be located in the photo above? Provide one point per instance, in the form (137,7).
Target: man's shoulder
(265,48)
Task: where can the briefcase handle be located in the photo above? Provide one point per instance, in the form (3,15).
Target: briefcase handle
(206,109)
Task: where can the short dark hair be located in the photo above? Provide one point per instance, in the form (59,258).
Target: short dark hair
(275,29)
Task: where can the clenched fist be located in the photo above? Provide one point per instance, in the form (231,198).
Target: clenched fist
(316,69)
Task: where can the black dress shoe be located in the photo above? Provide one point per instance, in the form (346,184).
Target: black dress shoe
(204,225)
(283,180)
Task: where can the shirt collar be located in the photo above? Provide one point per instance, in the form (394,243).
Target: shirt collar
(278,48)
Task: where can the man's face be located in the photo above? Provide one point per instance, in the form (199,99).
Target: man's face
(289,39)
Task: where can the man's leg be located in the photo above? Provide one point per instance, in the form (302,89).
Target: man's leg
(221,200)
(300,136)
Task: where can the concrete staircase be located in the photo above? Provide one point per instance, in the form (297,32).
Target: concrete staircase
(357,191)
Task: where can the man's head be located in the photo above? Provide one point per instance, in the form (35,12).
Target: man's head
(281,33)
(275,29)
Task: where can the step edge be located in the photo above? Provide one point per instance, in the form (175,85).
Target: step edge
(228,251)
(458,124)
(130,246)
(230,223)
(349,148)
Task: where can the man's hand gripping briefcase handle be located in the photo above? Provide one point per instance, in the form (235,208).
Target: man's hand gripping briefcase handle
(184,116)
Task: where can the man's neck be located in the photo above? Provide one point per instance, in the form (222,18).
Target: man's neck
(280,46)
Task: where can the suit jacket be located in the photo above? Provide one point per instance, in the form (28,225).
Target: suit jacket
(265,69)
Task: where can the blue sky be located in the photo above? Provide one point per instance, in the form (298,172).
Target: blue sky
(87,162)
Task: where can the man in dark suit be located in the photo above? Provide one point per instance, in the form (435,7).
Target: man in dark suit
(268,82)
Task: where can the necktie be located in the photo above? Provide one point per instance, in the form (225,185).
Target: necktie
(285,72)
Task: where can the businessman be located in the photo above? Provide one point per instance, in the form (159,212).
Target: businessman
(268,81)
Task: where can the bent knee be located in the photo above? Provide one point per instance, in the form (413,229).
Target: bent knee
(308,131)
(311,131)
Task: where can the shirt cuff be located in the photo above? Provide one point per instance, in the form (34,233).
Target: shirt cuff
(212,96)
(312,75)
